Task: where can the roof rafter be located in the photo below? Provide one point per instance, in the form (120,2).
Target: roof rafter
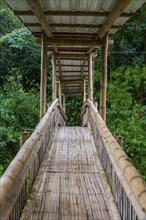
(116,12)
(55,25)
(72,13)
(65,42)
(38,12)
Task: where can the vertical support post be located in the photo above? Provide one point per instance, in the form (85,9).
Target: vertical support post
(84,90)
(90,78)
(64,102)
(43,85)
(103,81)
(54,91)
(59,92)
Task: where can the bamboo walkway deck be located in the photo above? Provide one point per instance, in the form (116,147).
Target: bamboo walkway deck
(71,188)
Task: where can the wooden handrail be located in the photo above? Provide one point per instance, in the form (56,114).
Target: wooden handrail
(14,177)
(133,185)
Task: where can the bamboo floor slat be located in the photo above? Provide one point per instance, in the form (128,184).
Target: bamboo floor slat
(70,187)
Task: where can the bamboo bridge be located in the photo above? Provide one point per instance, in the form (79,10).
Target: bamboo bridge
(81,172)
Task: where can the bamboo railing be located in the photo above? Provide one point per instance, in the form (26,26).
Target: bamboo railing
(16,182)
(128,188)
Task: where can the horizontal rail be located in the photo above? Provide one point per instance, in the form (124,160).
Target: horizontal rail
(23,169)
(128,188)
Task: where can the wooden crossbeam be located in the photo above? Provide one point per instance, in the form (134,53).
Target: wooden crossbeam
(72,71)
(38,12)
(90,26)
(64,42)
(73,94)
(116,12)
(78,49)
(70,56)
(72,13)
(75,81)
(72,65)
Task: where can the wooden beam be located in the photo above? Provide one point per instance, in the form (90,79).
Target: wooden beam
(43,85)
(90,49)
(90,77)
(59,93)
(78,49)
(38,12)
(73,94)
(72,65)
(54,84)
(70,56)
(72,13)
(72,71)
(75,81)
(60,69)
(103,81)
(82,68)
(64,42)
(84,90)
(90,26)
(64,105)
(116,12)
(73,76)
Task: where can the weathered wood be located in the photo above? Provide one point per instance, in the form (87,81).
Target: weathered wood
(59,93)
(84,91)
(74,81)
(64,42)
(24,136)
(90,77)
(64,104)
(103,81)
(63,25)
(43,85)
(38,12)
(54,84)
(73,94)
(72,56)
(78,49)
(116,12)
(73,13)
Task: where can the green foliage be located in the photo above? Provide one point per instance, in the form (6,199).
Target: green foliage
(20,45)
(73,109)
(8,22)
(19,110)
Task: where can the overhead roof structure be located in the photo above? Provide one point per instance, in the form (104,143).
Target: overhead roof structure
(74,28)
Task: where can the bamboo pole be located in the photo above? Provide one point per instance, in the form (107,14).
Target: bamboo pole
(59,93)
(64,102)
(24,136)
(43,85)
(103,82)
(90,78)
(84,91)
(54,92)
